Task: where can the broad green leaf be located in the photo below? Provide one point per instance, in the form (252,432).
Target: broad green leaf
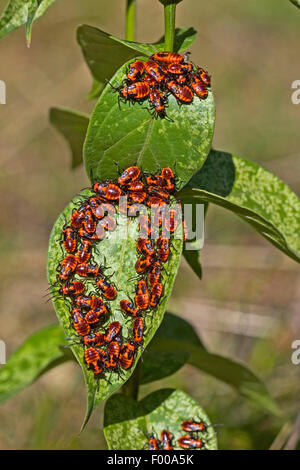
(73,126)
(254,194)
(228,371)
(119,253)
(129,135)
(41,352)
(104,53)
(296,3)
(22,12)
(127,422)
(193,258)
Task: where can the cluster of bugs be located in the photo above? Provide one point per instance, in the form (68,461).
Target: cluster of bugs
(191,440)
(103,342)
(163,74)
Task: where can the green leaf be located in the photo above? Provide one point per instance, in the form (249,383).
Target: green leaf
(39,353)
(254,194)
(129,135)
(120,255)
(193,258)
(127,422)
(230,372)
(73,126)
(104,53)
(20,12)
(296,3)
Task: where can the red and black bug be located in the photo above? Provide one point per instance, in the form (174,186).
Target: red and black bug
(185,231)
(89,223)
(154,274)
(96,206)
(172,220)
(163,245)
(188,442)
(157,102)
(190,425)
(72,288)
(182,92)
(138,328)
(108,290)
(79,324)
(98,235)
(150,80)
(136,70)
(145,247)
(136,185)
(180,69)
(127,355)
(156,71)
(199,88)
(154,180)
(137,197)
(93,316)
(144,263)
(168,57)
(159,192)
(92,357)
(109,191)
(166,440)
(145,226)
(78,216)
(112,331)
(137,91)
(203,75)
(67,267)
(129,308)
(94,339)
(142,295)
(130,174)
(88,270)
(108,223)
(70,240)
(113,353)
(155,294)
(168,178)
(153,443)
(181,79)
(89,302)
(84,252)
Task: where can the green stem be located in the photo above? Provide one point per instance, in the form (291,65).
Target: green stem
(131,387)
(170,12)
(130,20)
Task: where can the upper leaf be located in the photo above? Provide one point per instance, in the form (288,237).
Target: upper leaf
(20,12)
(296,3)
(40,352)
(129,135)
(118,252)
(105,53)
(127,423)
(253,193)
(73,126)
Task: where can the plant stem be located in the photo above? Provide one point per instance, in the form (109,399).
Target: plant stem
(170,12)
(130,20)
(131,388)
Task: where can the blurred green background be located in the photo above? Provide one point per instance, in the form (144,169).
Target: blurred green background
(247,305)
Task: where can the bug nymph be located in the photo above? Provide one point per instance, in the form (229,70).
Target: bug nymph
(131,173)
(127,355)
(137,91)
(136,70)
(70,239)
(182,93)
(168,57)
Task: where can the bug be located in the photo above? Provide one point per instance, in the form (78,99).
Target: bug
(145,246)
(129,175)
(70,239)
(98,235)
(109,191)
(137,91)
(88,270)
(79,324)
(156,71)
(153,443)
(129,308)
(159,192)
(163,245)
(136,70)
(112,331)
(137,197)
(136,185)
(72,288)
(155,294)
(144,263)
(138,328)
(154,180)
(155,273)
(179,69)
(185,231)
(127,355)
(93,358)
(168,178)
(182,92)
(188,442)
(203,75)
(67,267)
(166,440)
(191,425)
(145,226)
(78,216)
(198,87)
(155,201)
(171,222)
(108,290)
(181,79)
(93,316)
(94,339)
(96,206)
(113,353)
(89,223)
(142,295)
(108,223)
(157,102)
(89,302)
(168,57)
(150,80)
(84,252)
